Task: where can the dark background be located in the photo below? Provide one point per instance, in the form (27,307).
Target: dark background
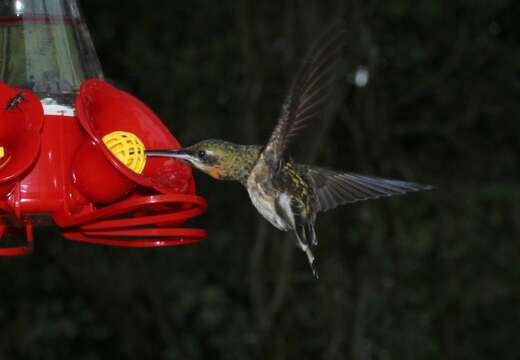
(424,276)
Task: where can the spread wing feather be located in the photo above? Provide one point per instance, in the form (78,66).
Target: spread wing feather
(338,188)
(310,90)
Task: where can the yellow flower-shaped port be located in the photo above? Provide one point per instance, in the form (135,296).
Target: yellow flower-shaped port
(127,148)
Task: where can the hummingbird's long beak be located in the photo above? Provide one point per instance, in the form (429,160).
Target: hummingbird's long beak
(182,154)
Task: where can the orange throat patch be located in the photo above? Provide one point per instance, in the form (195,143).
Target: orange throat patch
(215,172)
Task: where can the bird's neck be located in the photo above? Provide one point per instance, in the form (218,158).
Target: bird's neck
(241,163)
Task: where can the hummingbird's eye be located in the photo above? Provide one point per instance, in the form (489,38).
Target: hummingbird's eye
(202,154)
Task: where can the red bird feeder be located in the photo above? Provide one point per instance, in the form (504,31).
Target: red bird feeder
(78,157)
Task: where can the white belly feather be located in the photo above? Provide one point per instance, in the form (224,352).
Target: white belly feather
(267,208)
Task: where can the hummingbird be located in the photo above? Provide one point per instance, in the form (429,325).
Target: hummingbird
(288,194)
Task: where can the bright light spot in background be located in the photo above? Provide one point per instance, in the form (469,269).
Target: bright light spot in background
(18,7)
(361,76)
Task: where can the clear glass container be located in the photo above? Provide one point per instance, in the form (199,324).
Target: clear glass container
(45,47)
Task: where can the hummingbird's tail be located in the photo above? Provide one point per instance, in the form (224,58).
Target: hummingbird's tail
(312,262)
(306,236)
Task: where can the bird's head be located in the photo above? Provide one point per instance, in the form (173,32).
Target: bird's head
(219,159)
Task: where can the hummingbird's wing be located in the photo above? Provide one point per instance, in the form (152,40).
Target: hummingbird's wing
(338,188)
(309,91)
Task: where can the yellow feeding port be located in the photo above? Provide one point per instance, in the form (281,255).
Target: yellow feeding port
(4,157)
(127,148)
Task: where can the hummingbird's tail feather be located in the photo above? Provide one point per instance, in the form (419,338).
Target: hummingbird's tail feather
(314,269)
(311,234)
(312,260)
(336,188)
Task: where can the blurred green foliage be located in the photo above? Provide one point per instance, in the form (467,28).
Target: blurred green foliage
(426,276)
